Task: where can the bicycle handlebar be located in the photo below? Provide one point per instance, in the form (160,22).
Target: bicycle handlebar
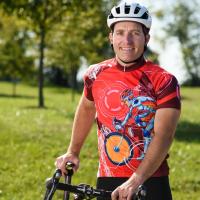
(82,191)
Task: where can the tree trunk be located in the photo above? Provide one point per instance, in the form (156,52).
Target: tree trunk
(195,80)
(41,66)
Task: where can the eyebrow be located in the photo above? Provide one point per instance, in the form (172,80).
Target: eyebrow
(135,29)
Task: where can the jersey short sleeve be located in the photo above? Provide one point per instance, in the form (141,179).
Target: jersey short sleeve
(169,95)
(88,79)
(88,89)
(91,75)
(167,90)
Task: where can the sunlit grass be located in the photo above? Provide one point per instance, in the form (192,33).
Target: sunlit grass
(184,156)
(31,139)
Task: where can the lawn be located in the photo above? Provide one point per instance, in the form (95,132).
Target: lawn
(31,139)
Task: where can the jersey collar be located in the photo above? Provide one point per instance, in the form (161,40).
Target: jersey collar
(140,62)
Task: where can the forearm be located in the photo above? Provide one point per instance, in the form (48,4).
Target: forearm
(156,153)
(164,128)
(83,121)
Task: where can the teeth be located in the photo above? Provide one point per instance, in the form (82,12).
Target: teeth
(127,49)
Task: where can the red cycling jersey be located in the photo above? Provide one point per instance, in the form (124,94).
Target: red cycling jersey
(126,100)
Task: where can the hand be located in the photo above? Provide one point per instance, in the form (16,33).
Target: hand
(61,161)
(127,189)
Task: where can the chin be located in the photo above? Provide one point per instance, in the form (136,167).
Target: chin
(128,60)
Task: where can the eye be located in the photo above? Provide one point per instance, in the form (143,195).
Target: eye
(119,32)
(136,32)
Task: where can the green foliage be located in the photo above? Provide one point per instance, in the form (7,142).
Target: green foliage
(185,25)
(32,138)
(151,55)
(37,12)
(40,14)
(15,63)
(64,30)
(83,32)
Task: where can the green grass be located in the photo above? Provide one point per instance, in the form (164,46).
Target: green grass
(31,139)
(184,155)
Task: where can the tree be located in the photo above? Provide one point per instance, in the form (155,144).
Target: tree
(185,25)
(15,63)
(41,15)
(82,33)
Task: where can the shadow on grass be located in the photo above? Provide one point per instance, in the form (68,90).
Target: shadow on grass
(16,96)
(37,107)
(188,132)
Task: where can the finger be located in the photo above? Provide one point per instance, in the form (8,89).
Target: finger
(122,195)
(130,196)
(115,195)
(58,162)
(76,166)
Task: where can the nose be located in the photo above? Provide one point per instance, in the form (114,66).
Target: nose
(129,38)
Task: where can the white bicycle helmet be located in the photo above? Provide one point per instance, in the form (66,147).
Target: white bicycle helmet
(129,11)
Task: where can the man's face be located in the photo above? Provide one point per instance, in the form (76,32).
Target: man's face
(128,40)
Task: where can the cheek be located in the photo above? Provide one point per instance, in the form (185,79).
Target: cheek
(140,44)
(115,40)
(141,40)
(115,43)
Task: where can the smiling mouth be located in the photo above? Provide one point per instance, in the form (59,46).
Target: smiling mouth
(127,49)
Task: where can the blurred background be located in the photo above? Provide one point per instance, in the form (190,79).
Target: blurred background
(45,48)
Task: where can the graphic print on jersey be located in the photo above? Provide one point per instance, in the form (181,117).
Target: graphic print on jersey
(121,145)
(128,117)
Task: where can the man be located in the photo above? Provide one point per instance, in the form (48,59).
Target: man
(136,105)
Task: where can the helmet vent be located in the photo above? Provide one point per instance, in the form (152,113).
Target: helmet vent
(127,9)
(137,10)
(145,16)
(118,10)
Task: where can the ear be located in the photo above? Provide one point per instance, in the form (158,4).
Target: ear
(147,38)
(111,37)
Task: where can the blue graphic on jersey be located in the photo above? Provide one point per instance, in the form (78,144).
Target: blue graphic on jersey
(140,110)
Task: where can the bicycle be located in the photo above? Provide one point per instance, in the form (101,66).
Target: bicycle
(81,191)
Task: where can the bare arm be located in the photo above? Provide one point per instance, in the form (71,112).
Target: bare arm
(83,120)
(166,120)
(165,125)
